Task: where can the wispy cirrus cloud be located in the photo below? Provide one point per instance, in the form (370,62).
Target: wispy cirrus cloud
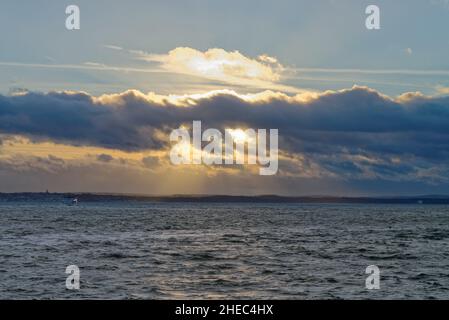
(408,72)
(89,65)
(232,69)
(113,47)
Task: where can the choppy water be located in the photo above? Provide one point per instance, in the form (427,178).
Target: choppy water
(145,250)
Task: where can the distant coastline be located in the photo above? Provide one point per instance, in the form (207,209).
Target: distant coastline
(93,197)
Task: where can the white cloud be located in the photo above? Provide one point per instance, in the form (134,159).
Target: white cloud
(443,90)
(113,47)
(217,64)
(231,67)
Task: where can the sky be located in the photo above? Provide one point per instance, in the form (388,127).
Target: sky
(359,112)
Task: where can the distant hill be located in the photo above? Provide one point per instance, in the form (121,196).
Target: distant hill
(92,197)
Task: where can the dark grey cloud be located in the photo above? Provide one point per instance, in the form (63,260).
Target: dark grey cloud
(150,162)
(337,130)
(105,157)
(21,164)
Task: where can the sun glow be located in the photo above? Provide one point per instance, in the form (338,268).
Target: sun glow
(238,135)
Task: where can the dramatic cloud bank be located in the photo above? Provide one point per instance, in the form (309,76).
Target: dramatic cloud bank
(350,134)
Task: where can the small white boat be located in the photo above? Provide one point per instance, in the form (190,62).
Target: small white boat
(75,201)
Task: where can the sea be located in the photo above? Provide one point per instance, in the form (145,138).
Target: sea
(146,249)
